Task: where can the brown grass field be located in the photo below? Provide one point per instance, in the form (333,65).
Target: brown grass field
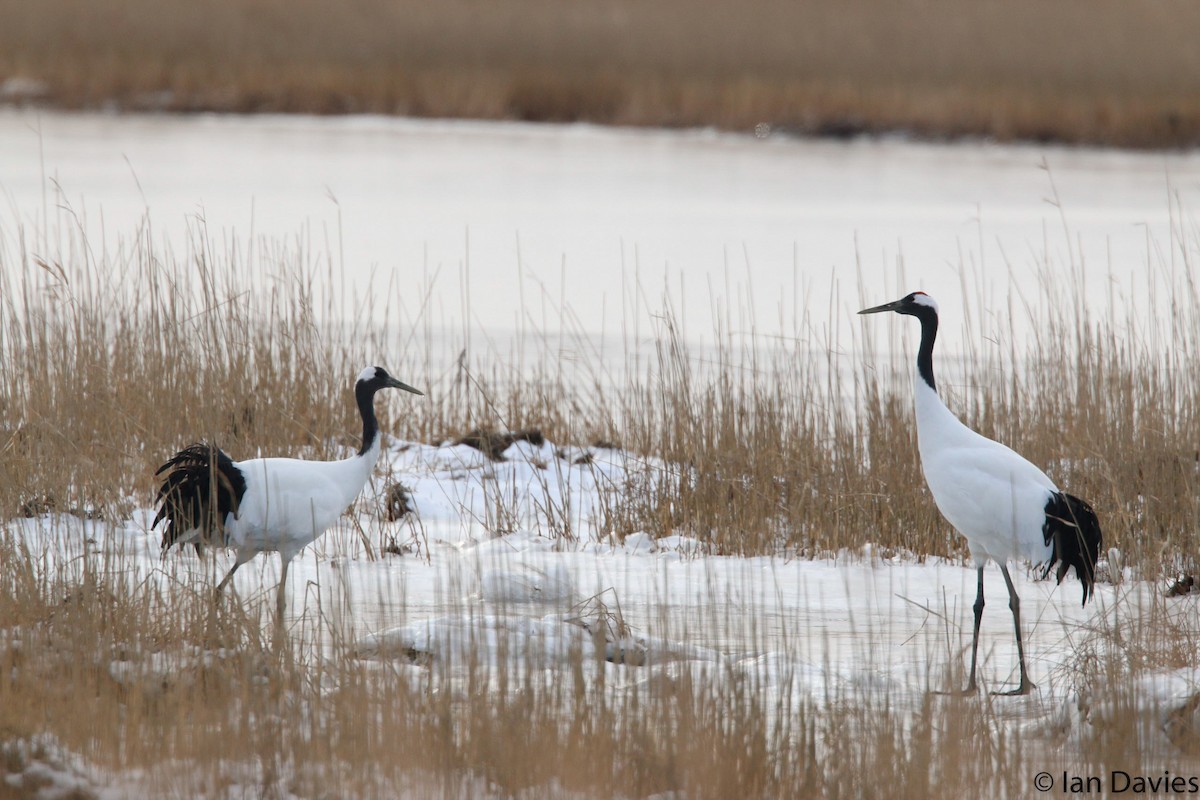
(789,447)
(1095,71)
(108,361)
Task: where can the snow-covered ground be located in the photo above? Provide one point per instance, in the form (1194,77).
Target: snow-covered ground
(507,561)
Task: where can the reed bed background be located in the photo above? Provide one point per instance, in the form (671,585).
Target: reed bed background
(114,359)
(113,356)
(1097,71)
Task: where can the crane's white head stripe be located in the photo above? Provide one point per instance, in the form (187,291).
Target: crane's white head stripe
(922,299)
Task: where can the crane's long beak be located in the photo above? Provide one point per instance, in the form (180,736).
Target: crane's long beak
(395,384)
(892,306)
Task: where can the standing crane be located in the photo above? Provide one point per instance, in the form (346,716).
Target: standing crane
(1004,506)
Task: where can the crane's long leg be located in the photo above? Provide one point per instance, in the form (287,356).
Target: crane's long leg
(978,607)
(279,598)
(1014,603)
(228,576)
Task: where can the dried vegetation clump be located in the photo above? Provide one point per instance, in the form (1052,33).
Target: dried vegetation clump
(493,443)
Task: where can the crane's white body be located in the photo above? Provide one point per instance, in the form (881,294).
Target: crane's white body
(991,495)
(290,502)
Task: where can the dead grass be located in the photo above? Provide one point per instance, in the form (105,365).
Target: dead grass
(776,447)
(777,451)
(1093,71)
(184,698)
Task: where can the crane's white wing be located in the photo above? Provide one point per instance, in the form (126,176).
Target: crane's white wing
(992,496)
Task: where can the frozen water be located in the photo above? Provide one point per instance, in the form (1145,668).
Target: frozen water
(553,227)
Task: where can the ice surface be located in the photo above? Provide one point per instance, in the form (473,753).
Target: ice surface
(547,215)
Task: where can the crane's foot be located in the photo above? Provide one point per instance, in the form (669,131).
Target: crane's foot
(1026,687)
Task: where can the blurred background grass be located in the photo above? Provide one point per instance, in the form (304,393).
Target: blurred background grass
(1089,71)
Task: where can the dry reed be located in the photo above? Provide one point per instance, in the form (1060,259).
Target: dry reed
(1100,71)
(777,447)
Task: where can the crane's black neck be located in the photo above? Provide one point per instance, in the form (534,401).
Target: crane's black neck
(929,327)
(364,393)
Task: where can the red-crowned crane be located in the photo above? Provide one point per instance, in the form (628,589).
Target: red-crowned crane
(266,504)
(1004,506)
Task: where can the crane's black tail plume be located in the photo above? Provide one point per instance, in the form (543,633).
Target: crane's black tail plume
(201,487)
(1073,530)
